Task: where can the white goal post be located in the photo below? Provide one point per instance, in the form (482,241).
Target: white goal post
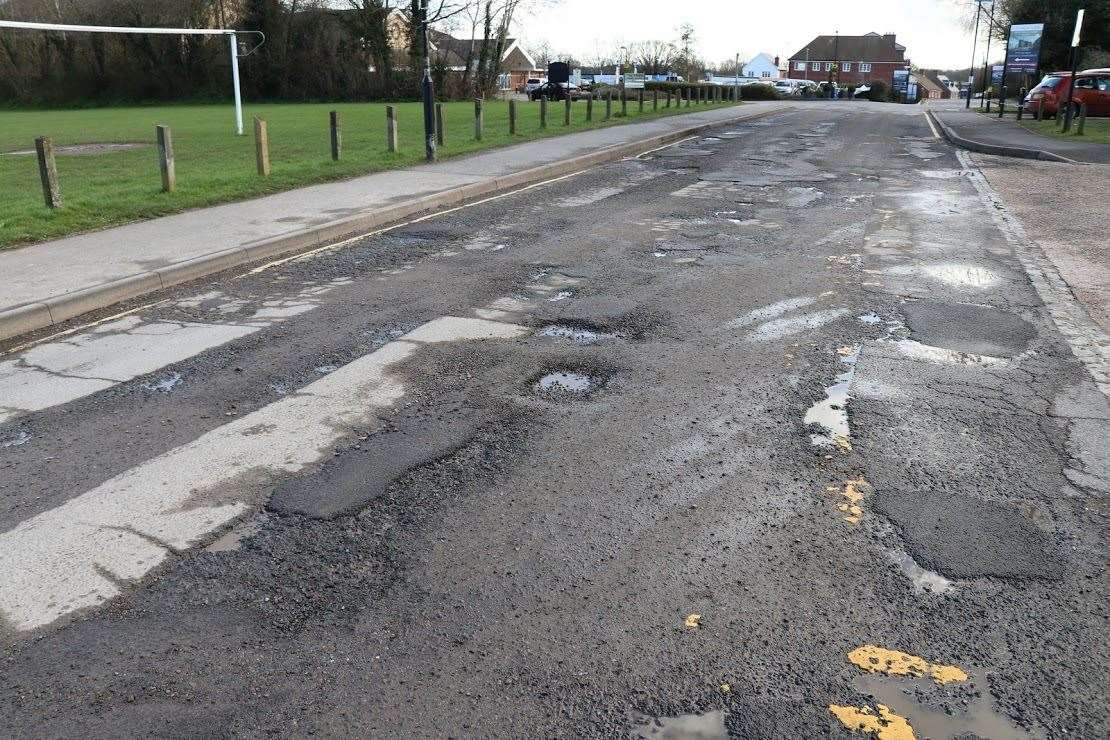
(230,33)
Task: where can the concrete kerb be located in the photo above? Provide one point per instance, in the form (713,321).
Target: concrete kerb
(997,149)
(56,310)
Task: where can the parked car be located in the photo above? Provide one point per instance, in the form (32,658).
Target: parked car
(531,84)
(1092,86)
(557,91)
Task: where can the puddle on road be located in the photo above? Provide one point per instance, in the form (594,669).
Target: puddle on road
(567,382)
(233,540)
(576,334)
(869,318)
(18,440)
(831,414)
(164,385)
(562,295)
(707,726)
(919,351)
(980,719)
(924,581)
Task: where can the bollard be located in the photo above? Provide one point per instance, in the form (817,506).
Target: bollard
(1037,114)
(478,119)
(543,111)
(608,105)
(566,109)
(48,172)
(1081,122)
(624,102)
(439,124)
(391,128)
(668,99)
(165,158)
(261,147)
(590,108)
(640,100)
(655,100)
(688,96)
(336,136)
(512,118)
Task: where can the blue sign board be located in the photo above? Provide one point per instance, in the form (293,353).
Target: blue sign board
(901,80)
(996,74)
(1023,50)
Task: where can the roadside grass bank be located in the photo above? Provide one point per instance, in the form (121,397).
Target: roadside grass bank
(108,186)
(1096,130)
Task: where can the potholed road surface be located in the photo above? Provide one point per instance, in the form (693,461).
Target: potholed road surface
(786,431)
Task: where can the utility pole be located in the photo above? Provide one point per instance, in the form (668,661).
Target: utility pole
(428,92)
(737,70)
(1074,67)
(974,41)
(987,56)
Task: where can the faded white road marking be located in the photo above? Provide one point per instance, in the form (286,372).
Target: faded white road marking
(85,551)
(788,327)
(771,311)
(588,197)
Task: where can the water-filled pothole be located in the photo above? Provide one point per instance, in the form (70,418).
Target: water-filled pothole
(568,383)
(576,334)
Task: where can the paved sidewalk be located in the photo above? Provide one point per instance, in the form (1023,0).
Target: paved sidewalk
(50,282)
(989,130)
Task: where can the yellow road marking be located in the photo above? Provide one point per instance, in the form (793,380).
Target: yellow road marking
(885,724)
(876,659)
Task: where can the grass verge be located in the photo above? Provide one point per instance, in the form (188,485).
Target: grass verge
(1096,131)
(215,166)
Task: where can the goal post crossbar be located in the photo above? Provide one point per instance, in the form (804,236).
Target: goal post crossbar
(231,34)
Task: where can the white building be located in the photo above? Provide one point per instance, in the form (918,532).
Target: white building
(763,66)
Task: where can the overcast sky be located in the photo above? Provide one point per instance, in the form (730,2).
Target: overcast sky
(929,29)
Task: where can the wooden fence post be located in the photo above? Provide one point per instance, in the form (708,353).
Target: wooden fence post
(391,128)
(624,102)
(512,118)
(1082,120)
(655,100)
(543,111)
(668,98)
(336,136)
(590,108)
(479,119)
(439,124)
(566,109)
(608,105)
(640,99)
(261,147)
(688,96)
(165,158)
(48,172)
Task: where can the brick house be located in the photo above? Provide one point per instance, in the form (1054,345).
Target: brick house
(851,60)
(931,86)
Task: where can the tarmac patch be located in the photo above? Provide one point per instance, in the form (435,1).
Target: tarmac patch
(962,327)
(961,536)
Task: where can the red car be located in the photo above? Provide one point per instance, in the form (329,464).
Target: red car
(1092,86)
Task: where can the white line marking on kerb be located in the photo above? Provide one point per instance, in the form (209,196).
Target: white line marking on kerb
(84,552)
(929,120)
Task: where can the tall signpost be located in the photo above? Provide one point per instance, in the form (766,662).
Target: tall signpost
(427,90)
(1074,68)
(987,56)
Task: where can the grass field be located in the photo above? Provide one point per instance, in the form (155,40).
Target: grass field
(1096,131)
(215,166)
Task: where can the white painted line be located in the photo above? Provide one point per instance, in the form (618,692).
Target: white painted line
(667,146)
(87,550)
(83,327)
(936,134)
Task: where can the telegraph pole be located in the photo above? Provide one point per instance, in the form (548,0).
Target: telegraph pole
(974,41)
(987,57)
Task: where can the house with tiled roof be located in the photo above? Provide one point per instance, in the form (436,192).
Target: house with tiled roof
(850,60)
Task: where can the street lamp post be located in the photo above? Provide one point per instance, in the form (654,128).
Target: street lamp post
(987,58)
(426,88)
(737,70)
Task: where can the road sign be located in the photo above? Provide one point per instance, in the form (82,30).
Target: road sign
(634,81)
(1023,50)
(901,80)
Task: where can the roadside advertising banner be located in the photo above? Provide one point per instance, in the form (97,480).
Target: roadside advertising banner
(1023,50)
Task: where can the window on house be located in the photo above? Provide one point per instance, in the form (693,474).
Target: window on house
(800,66)
(864,67)
(817,66)
(846,66)
(765,74)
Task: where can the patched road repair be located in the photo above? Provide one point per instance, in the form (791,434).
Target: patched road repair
(776,432)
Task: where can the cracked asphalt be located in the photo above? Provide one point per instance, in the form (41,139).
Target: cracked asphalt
(655,450)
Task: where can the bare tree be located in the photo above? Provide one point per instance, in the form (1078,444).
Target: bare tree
(653,57)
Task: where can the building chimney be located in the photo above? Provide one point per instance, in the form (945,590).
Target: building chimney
(889,37)
(776,60)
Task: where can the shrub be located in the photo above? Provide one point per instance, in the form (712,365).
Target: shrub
(879,92)
(758,91)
